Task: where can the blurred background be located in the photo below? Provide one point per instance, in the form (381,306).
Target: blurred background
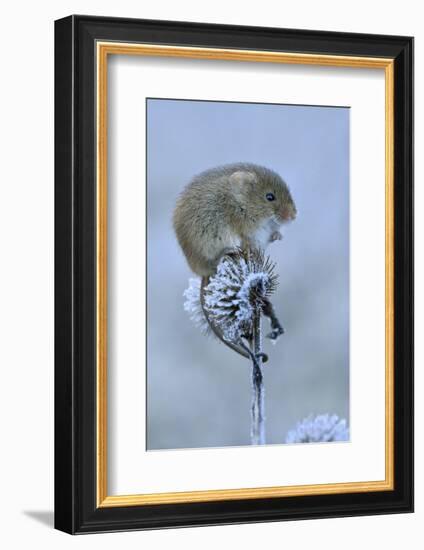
(198,389)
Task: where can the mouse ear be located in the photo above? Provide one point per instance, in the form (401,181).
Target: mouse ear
(241,180)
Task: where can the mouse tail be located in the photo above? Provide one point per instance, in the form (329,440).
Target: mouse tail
(216,330)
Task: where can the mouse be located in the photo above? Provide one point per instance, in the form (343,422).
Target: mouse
(241,205)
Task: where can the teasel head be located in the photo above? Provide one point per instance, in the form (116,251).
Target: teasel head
(242,282)
(322,428)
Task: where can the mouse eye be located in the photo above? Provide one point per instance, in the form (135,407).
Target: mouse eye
(270,197)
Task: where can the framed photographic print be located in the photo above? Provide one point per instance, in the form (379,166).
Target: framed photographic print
(234,274)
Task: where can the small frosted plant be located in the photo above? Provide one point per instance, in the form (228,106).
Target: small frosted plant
(321,428)
(243,282)
(233,302)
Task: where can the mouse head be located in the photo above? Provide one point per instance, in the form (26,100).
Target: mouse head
(264,193)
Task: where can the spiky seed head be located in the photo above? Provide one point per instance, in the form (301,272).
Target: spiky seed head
(242,281)
(321,428)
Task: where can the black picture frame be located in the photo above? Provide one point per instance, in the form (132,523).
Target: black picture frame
(76,509)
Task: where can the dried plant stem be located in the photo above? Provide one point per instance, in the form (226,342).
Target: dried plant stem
(257,432)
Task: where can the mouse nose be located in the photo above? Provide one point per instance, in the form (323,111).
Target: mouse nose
(289,213)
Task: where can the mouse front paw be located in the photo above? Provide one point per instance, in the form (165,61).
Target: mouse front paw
(275,236)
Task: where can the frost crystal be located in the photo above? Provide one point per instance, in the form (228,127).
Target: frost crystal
(193,305)
(322,428)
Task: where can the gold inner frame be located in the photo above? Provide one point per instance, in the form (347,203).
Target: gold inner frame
(104,49)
